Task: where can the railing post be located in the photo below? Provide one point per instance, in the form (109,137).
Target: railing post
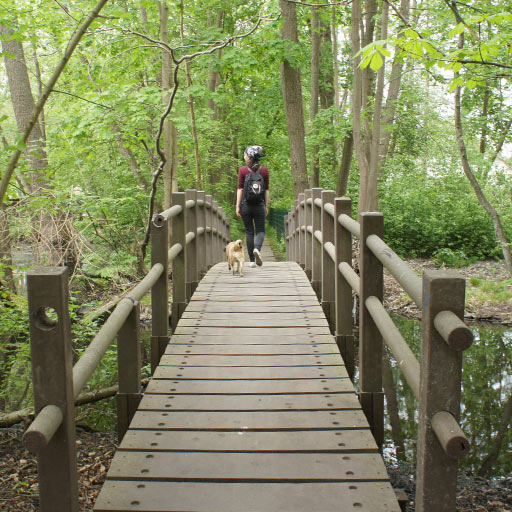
(301,252)
(370,339)
(222,232)
(316,265)
(328,267)
(294,235)
(308,222)
(52,377)
(192,279)
(209,234)
(201,242)
(440,389)
(160,291)
(216,226)
(288,242)
(179,267)
(128,371)
(343,290)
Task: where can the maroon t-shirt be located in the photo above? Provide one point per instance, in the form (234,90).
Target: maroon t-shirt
(244,171)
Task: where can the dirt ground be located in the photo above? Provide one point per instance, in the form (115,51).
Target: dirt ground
(497,313)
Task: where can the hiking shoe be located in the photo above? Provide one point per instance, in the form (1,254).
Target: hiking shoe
(252,264)
(257,257)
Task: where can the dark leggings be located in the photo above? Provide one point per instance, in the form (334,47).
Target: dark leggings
(253,216)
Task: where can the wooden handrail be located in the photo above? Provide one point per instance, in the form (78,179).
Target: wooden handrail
(438,407)
(197,250)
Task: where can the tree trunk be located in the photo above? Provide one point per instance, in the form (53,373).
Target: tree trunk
(213,80)
(357,104)
(170,134)
(315,88)
(6,265)
(191,107)
(346,160)
(498,227)
(23,106)
(292,99)
(334,31)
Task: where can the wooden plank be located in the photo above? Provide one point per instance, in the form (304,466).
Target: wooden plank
(317,441)
(247,372)
(297,402)
(255,467)
(253,322)
(235,307)
(236,316)
(255,339)
(241,332)
(232,349)
(255,420)
(254,497)
(249,387)
(251,360)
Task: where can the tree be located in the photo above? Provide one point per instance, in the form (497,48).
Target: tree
(292,98)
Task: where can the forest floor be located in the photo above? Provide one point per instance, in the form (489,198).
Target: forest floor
(18,468)
(481,307)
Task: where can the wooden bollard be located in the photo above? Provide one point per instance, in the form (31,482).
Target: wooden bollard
(370,339)
(52,376)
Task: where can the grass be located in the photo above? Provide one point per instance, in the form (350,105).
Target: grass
(490,291)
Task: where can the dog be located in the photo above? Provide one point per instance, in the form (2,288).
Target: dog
(235,254)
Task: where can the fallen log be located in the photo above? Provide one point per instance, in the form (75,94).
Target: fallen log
(12,418)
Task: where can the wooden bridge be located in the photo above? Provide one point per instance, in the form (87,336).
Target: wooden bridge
(251,405)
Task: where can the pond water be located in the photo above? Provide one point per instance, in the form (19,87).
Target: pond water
(486,387)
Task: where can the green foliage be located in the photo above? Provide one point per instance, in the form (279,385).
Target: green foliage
(448,258)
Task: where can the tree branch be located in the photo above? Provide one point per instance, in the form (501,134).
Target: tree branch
(73,43)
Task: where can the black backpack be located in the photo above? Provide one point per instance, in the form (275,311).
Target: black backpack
(254,188)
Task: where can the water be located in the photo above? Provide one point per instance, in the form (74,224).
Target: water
(486,387)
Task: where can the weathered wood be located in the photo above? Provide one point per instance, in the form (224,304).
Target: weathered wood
(179,265)
(328,265)
(129,360)
(241,399)
(317,247)
(192,253)
(237,497)
(52,367)
(370,338)
(315,441)
(440,387)
(248,387)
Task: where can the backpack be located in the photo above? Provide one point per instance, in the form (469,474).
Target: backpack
(254,188)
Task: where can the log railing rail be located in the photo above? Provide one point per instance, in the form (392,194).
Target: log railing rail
(199,231)
(319,231)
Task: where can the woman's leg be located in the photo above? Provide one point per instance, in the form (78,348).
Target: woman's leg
(259,222)
(247,218)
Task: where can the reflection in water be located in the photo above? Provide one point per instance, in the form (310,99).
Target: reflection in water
(486,387)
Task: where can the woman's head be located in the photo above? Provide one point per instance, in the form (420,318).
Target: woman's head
(253,154)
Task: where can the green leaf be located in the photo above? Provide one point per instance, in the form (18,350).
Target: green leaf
(376,62)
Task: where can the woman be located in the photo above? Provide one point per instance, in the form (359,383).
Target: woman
(253,214)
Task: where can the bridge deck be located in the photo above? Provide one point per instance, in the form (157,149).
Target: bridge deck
(251,409)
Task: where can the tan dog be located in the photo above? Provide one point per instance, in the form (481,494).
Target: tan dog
(235,254)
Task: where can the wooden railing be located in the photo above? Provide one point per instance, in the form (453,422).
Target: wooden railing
(199,231)
(319,231)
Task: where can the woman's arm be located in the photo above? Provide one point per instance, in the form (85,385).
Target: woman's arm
(239,192)
(266,202)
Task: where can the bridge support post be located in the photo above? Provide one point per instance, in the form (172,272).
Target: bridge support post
(287,221)
(343,290)
(179,267)
(216,232)
(128,370)
(209,231)
(301,241)
(317,246)
(160,291)
(440,388)
(328,267)
(308,225)
(52,376)
(201,242)
(370,338)
(191,226)
(294,234)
